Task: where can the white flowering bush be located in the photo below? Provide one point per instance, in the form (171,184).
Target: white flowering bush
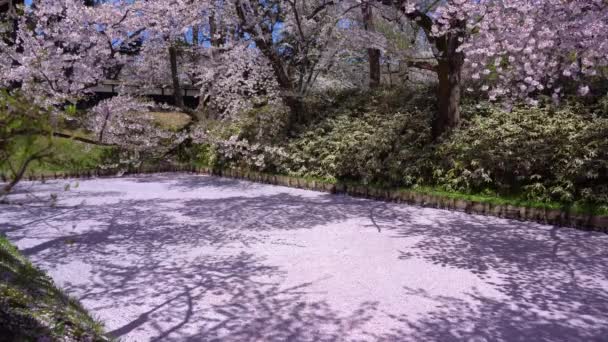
(371,147)
(353,135)
(544,153)
(266,124)
(222,144)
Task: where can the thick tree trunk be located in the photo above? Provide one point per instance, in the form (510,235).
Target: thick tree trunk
(212,31)
(449,72)
(449,68)
(296,112)
(291,91)
(288,90)
(177,89)
(373,55)
(448,95)
(195,34)
(213,34)
(374,67)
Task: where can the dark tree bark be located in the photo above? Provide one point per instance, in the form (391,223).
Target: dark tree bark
(10,17)
(217,31)
(263,41)
(18,174)
(373,55)
(213,31)
(448,69)
(177,89)
(195,33)
(293,75)
(8,12)
(448,93)
(374,67)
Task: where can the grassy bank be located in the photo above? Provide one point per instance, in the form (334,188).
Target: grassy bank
(64,155)
(68,155)
(493,199)
(573,208)
(32,308)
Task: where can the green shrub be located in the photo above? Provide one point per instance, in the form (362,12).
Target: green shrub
(27,141)
(348,135)
(540,154)
(32,308)
(543,153)
(266,124)
(372,147)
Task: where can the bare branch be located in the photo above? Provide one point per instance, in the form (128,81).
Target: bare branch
(422,65)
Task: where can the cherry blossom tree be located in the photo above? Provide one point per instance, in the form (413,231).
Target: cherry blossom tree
(244,52)
(446,26)
(513,48)
(234,81)
(69,49)
(165,24)
(297,37)
(526,48)
(62,50)
(124,121)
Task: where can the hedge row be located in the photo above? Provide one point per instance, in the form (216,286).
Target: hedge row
(541,215)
